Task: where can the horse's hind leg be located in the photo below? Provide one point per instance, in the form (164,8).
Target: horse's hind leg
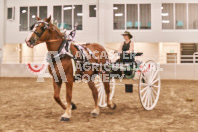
(96,110)
(66,116)
(110,104)
(57,87)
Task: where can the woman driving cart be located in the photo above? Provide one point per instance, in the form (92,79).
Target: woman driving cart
(126,51)
(127,46)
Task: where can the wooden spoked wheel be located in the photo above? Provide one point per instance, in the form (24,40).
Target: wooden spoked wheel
(149,85)
(102,101)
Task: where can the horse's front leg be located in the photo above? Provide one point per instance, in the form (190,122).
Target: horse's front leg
(69,84)
(57,88)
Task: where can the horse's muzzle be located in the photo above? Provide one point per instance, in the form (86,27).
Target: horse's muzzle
(30,43)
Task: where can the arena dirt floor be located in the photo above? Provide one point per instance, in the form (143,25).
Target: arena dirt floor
(29,106)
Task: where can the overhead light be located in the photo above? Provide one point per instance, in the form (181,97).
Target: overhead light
(165,14)
(115,8)
(33,16)
(95,8)
(165,21)
(67,8)
(162,7)
(79,14)
(119,14)
(24,11)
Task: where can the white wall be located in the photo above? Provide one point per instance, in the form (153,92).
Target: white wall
(100,29)
(2,5)
(179,71)
(11,54)
(150,50)
(104,33)
(165,48)
(1,25)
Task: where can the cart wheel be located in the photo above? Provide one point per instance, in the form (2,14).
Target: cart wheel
(102,101)
(149,85)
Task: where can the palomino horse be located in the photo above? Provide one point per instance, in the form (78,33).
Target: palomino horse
(45,31)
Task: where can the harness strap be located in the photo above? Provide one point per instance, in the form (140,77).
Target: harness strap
(82,52)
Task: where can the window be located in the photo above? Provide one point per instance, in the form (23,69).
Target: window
(67,17)
(78,14)
(31,13)
(23,18)
(193,16)
(167,16)
(92,11)
(119,16)
(180,16)
(58,16)
(138,16)
(10,14)
(132,16)
(43,12)
(71,14)
(32,16)
(187,50)
(145,16)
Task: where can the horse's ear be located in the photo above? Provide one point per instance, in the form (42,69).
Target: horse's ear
(38,18)
(48,19)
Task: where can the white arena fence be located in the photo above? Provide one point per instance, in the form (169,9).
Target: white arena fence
(182,67)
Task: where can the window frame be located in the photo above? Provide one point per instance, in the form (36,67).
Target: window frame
(134,30)
(39,9)
(37,14)
(13,13)
(139,16)
(28,15)
(173,17)
(62,11)
(82,17)
(72,14)
(27,18)
(95,11)
(127,15)
(124,16)
(187,17)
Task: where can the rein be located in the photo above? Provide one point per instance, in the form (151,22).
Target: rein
(51,41)
(54,40)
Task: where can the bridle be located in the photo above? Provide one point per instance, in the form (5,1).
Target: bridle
(43,29)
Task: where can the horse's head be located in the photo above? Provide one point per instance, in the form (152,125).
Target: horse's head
(40,32)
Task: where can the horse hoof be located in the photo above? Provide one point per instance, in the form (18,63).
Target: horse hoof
(94,115)
(73,106)
(64,119)
(114,107)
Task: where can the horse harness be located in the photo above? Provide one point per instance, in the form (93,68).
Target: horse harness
(64,49)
